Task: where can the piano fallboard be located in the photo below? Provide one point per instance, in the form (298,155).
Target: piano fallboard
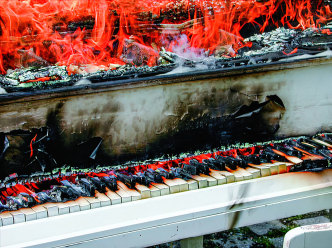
(178,216)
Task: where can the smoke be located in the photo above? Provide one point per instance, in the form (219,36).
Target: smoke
(187,57)
(182,47)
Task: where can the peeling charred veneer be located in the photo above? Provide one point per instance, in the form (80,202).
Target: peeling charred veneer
(181,112)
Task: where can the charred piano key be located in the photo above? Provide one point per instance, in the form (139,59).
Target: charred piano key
(110,183)
(141,179)
(227,162)
(154,176)
(188,172)
(99,184)
(202,168)
(126,179)
(164,173)
(288,150)
(220,168)
(88,187)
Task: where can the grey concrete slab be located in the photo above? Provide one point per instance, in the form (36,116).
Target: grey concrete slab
(277,242)
(264,228)
(311,221)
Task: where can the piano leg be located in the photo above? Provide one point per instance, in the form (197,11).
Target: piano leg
(195,242)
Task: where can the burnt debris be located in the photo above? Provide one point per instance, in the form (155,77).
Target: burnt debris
(144,61)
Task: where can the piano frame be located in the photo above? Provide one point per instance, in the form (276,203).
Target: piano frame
(178,216)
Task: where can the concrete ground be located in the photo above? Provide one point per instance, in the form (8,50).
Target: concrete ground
(263,235)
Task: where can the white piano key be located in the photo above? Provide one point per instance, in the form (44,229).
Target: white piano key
(40,211)
(94,202)
(246,174)
(237,174)
(282,168)
(274,168)
(18,216)
(211,181)
(202,182)
(104,200)
(164,189)
(256,173)
(173,185)
(63,208)
(114,197)
(154,191)
(29,214)
(321,142)
(125,196)
(73,206)
(221,179)
(83,203)
(192,184)
(264,169)
(52,209)
(230,178)
(6,218)
(133,194)
(183,185)
(143,190)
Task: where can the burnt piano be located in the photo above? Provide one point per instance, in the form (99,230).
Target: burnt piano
(126,120)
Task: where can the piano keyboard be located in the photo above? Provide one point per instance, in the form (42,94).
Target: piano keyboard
(177,216)
(193,173)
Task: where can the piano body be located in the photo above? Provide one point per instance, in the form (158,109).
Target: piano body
(140,119)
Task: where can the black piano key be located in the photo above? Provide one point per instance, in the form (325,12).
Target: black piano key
(100,185)
(88,186)
(164,173)
(230,163)
(290,151)
(153,176)
(110,183)
(178,172)
(201,167)
(128,180)
(140,178)
(219,163)
(190,169)
(251,159)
